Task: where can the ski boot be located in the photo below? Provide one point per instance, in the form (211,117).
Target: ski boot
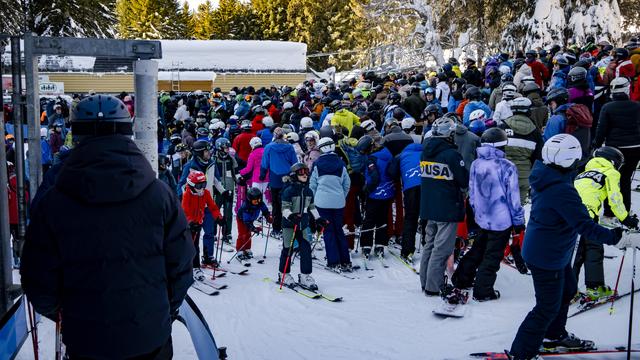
(492,296)
(600,293)
(456,296)
(243,256)
(379,251)
(249,254)
(366,251)
(288,280)
(226,239)
(198,275)
(208,262)
(276,234)
(336,268)
(567,343)
(307,282)
(347,267)
(407,258)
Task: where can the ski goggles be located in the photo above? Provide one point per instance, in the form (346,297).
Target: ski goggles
(302,172)
(255,201)
(199,186)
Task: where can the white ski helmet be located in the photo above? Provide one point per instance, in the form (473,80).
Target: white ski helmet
(287,105)
(520,105)
(443,127)
(408,123)
(477,115)
(306,123)
(562,150)
(312,135)
(255,142)
(267,121)
(326,145)
(292,137)
(508,91)
(620,85)
(368,125)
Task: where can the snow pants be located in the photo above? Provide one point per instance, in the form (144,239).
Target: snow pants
(226,208)
(304,248)
(276,204)
(244,236)
(352,213)
(335,243)
(209,228)
(396,221)
(591,255)
(440,240)
(411,199)
(554,290)
(375,217)
(482,262)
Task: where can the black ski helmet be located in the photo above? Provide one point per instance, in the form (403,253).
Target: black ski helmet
(559,94)
(254,194)
(327,131)
(612,154)
(365,144)
(101,115)
(473,93)
(394,98)
(398,113)
(298,169)
(198,148)
(495,137)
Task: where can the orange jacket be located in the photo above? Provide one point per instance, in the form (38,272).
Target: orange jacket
(193,206)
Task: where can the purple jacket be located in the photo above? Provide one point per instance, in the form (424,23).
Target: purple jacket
(253,166)
(493,190)
(576,93)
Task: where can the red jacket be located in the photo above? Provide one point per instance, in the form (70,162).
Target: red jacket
(241,145)
(13,199)
(256,123)
(540,72)
(193,206)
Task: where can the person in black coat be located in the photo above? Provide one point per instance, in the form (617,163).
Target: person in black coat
(115,264)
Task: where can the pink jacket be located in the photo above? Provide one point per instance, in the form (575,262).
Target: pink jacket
(253,166)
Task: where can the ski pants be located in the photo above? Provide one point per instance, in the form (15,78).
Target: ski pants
(195,237)
(352,212)
(554,290)
(209,227)
(304,248)
(165,352)
(482,262)
(591,255)
(244,236)
(226,208)
(276,204)
(411,215)
(396,223)
(375,217)
(631,159)
(335,243)
(440,240)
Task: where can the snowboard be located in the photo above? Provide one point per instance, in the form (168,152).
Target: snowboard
(445,309)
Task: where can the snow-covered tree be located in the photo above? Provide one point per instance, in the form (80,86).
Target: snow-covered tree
(82,18)
(148,19)
(538,26)
(600,18)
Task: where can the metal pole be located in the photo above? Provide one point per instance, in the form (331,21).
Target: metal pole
(6,279)
(146,109)
(33,115)
(17,122)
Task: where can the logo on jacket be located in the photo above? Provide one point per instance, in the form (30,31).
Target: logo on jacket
(413,172)
(436,170)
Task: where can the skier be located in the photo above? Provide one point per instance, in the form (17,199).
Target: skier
(503,107)
(599,181)
(253,168)
(115,283)
(194,200)
(444,178)
(330,184)
(297,209)
(226,174)
(495,199)
(312,154)
(250,210)
(557,217)
(163,173)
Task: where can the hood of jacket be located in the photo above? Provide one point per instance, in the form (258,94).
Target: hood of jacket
(600,164)
(461,129)
(413,148)
(562,108)
(329,162)
(489,152)
(521,124)
(105,169)
(435,146)
(543,176)
(280,146)
(536,99)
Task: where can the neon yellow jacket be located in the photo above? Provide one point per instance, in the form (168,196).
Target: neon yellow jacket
(346,119)
(600,180)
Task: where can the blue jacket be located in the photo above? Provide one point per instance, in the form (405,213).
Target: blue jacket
(559,78)
(248,213)
(453,104)
(47,157)
(377,180)
(407,166)
(493,190)
(278,158)
(556,123)
(329,182)
(265,135)
(242,109)
(473,106)
(443,179)
(557,217)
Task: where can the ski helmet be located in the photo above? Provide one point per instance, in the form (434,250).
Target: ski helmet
(408,124)
(477,115)
(202,132)
(495,137)
(326,145)
(254,195)
(558,94)
(561,150)
(368,125)
(577,74)
(287,105)
(530,88)
(521,105)
(101,115)
(560,59)
(197,181)
(398,113)
(292,137)
(621,54)
(311,135)
(181,147)
(255,142)
(394,98)
(199,147)
(327,131)
(506,78)
(443,127)
(223,144)
(531,54)
(620,85)
(365,144)
(298,169)
(175,139)
(612,154)
(432,91)
(267,121)
(454,117)
(473,93)
(306,123)
(508,91)
(477,126)
(245,125)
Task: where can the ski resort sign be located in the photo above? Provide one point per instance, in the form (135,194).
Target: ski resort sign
(52,88)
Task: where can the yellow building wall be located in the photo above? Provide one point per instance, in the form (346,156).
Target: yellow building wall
(118,82)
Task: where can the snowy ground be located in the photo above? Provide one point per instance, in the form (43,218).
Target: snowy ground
(384,317)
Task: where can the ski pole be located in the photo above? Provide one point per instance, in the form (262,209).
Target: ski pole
(218,252)
(633,291)
(615,291)
(286,264)
(59,337)
(264,256)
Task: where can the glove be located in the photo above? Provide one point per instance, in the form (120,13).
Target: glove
(627,240)
(269,219)
(295,218)
(220,221)
(241,180)
(195,227)
(518,228)
(256,229)
(322,223)
(226,195)
(631,222)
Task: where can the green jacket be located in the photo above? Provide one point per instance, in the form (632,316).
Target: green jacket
(600,181)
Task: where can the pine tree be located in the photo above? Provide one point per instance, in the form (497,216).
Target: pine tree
(148,19)
(271,16)
(600,18)
(186,22)
(226,20)
(12,17)
(83,18)
(203,21)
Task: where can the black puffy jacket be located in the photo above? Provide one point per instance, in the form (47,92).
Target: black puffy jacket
(619,123)
(108,247)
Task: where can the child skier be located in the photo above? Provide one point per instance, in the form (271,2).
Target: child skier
(227,174)
(249,212)
(194,199)
(297,206)
(599,181)
(495,198)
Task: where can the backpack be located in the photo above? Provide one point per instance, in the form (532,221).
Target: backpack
(578,116)
(357,161)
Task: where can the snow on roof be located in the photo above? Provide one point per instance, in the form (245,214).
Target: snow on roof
(233,55)
(187,75)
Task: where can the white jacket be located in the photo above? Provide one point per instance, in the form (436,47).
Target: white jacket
(503,111)
(442,93)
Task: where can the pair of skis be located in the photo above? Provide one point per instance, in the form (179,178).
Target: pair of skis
(306,292)
(558,353)
(592,305)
